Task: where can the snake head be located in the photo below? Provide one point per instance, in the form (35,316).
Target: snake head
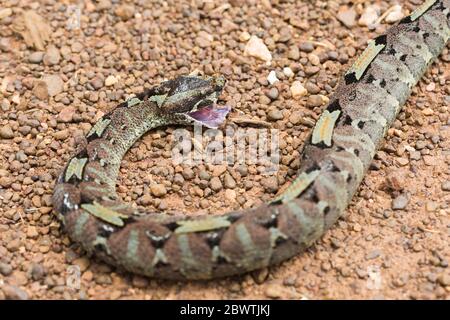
(192,99)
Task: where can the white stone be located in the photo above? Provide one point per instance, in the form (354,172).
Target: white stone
(111,80)
(272,77)
(55,85)
(244,36)
(395,15)
(256,48)
(288,72)
(298,90)
(369,16)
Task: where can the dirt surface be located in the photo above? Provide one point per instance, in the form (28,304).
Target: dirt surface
(62,73)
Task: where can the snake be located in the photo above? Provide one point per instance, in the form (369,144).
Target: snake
(333,162)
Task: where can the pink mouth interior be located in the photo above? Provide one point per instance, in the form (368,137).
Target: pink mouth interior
(211,116)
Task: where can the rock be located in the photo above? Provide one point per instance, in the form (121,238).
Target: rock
(306,46)
(228,26)
(188,173)
(256,48)
(369,16)
(55,84)
(400,202)
(125,12)
(311,70)
(314,59)
(13,292)
(77,47)
(111,80)
(270,184)
(215,184)
(445,186)
(5,182)
(431,206)
(314,101)
(158,190)
(52,56)
(36,57)
(6,132)
(40,90)
(272,93)
(244,36)
(66,114)
(146,200)
(97,83)
(140,282)
(444,279)
(428,112)
(274,291)
(294,53)
(395,15)
(229,181)
(6,12)
(312,88)
(5,269)
(288,72)
(347,16)
(275,115)
(37,272)
(296,117)
(230,195)
(298,90)
(204,39)
(272,77)
(373,254)
(61,135)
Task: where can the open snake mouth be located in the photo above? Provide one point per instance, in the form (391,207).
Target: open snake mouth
(210,116)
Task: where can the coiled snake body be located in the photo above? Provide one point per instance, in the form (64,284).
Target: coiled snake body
(333,163)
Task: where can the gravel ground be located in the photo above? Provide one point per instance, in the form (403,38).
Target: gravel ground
(58,77)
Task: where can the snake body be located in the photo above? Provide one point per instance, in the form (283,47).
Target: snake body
(333,162)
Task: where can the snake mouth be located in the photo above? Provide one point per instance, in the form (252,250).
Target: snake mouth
(211,116)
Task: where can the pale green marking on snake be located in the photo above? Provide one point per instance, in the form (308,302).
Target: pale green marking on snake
(99,127)
(276,234)
(133,247)
(75,167)
(159,257)
(207,224)
(331,165)
(186,253)
(297,186)
(133,101)
(79,224)
(159,99)
(422,9)
(94,171)
(364,60)
(246,241)
(102,242)
(105,213)
(306,222)
(323,130)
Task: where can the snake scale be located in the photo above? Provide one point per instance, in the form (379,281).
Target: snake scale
(334,160)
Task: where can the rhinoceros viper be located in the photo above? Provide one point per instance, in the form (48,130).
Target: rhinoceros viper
(334,160)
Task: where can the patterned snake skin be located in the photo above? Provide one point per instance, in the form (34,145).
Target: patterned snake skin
(333,163)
